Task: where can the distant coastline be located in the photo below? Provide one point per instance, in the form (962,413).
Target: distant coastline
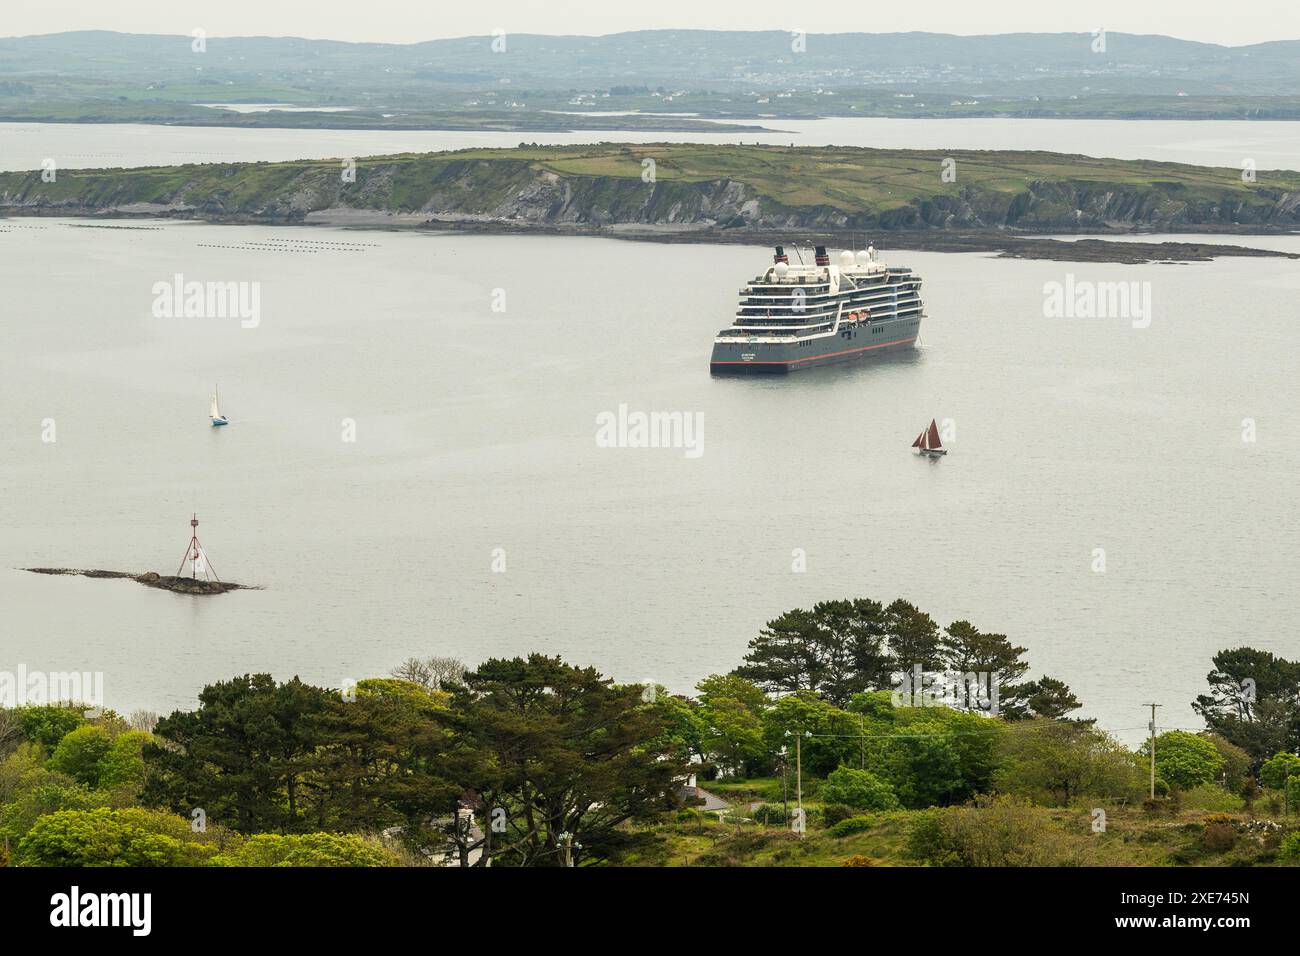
(750,76)
(431,121)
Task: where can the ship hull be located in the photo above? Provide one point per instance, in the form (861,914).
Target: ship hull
(865,341)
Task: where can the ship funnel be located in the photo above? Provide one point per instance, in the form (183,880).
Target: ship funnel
(822,258)
(780,256)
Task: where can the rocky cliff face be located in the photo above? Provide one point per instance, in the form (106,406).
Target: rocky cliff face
(545,198)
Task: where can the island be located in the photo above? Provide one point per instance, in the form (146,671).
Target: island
(917,199)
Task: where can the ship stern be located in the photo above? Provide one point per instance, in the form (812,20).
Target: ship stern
(749,357)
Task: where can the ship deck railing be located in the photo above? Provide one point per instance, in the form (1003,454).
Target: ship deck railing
(789,292)
(882,310)
(869,295)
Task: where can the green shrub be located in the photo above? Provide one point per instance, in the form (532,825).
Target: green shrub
(833,813)
(1210,796)
(124,762)
(46,792)
(1185,760)
(770,814)
(18,768)
(851,826)
(47,724)
(104,837)
(859,789)
(1153,808)
(79,752)
(1275,771)
(998,831)
(927,840)
(308,849)
(1288,850)
(1218,837)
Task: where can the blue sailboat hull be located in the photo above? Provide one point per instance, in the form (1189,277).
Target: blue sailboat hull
(218,422)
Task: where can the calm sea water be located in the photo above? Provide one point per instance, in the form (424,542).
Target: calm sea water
(475,439)
(71,145)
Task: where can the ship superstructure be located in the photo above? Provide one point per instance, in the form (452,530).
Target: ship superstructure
(802,315)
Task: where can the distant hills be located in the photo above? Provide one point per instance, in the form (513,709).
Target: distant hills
(714,73)
(1046,64)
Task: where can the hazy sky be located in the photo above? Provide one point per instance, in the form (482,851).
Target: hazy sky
(406,21)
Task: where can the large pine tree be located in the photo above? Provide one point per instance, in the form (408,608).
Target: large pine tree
(836,649)
(568,759)
(1254,701)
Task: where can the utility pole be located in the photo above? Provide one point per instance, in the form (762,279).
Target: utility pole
(1152,728)
(785,787)
(798,775)
(862,742)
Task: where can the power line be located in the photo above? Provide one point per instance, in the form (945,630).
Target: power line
(996,730)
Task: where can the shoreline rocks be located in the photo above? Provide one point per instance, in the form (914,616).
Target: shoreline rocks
(153,579)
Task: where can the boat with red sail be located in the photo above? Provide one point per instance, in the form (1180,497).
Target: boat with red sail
(927,443)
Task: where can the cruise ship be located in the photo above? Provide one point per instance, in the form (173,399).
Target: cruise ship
(801,316)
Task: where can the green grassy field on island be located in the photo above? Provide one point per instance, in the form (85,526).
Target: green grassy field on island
(746,187)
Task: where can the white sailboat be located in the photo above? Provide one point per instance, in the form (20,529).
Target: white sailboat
(214,412)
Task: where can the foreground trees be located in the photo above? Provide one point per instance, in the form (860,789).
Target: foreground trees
(842,648)
(1280,771)
(859,790)
(307,849)
(534,762)
(731,717)
(1185,760)
(553,760)
(836,650)
(258,756)
(104,837)
(1057,762)
(1254,702)
(560,758)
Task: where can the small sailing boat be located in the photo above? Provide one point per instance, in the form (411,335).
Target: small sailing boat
(215,411)
(927,443)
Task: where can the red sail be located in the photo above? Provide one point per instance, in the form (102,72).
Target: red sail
(920,441)
(934,435)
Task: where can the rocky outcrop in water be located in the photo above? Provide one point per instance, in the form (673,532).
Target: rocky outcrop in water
(154,580)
